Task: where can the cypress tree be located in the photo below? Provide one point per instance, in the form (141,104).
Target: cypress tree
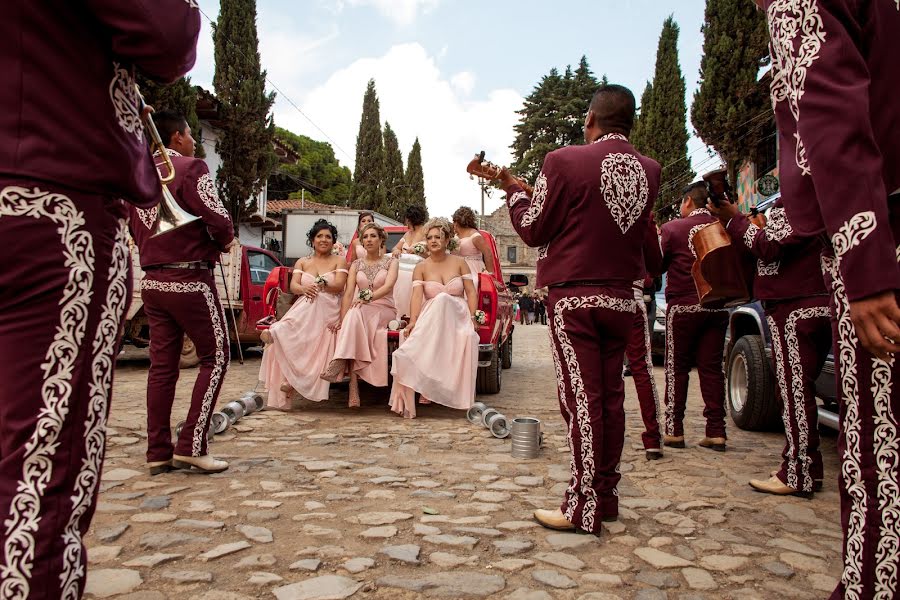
(639,131)
(395,191)
(367,174)
(415,177)
(542,127)
(247,126)
(179,96)
(581,89)
(664,123)
(731,112)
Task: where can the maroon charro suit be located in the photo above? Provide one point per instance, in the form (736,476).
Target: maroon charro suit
(638,349)
(71,151)
(835,90)
(179,301)
(603,190)
(789,283)
(694,335)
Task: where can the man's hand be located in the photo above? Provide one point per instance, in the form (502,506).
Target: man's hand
(876,321)
(234,242)
(505,179)
(726,211)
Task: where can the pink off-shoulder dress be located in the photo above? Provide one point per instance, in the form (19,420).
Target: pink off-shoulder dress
(472,255)
(302,345)
(440,358)
(363,334)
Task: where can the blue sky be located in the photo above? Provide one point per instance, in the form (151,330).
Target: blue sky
(450,72)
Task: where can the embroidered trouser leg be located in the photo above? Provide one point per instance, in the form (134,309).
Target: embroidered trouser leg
(65,285)
(801,339)
(640,361)
(868,445)
(711,328)
(179,301)
(589,327)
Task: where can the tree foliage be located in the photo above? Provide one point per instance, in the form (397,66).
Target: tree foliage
(317,172)
(395,191)
(368,172)
(639,131)
(730,110)
(179,96)
(247,127)
(414,178)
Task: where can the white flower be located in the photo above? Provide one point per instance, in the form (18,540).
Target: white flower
(321,281)
(419,248)
(480,317)
(365,295)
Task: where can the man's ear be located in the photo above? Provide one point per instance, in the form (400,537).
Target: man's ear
(590,120)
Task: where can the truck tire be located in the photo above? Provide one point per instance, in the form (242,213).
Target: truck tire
(750,388)
(506,353)
(489,377)
(189,356)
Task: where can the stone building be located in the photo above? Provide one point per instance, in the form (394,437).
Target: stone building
(515,257)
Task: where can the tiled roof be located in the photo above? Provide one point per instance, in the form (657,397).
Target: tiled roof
(276,207)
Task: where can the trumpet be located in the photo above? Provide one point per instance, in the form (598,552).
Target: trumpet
(171,215)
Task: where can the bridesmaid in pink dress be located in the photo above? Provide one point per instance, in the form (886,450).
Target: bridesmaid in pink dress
(300,345)
(472,245)
(365,217)
(362,330)
(439,356)
(414,219)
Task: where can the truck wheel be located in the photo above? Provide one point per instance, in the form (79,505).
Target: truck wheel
(489,377)
(189,356)
(751,391)
(506,353)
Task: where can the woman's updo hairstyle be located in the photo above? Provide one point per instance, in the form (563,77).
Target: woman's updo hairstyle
(319,226)
(416,215)
(382,234)
(442,224)
(465,217)
(363,215)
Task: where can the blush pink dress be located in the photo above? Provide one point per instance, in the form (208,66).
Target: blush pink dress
(403,287)
(440,358)
(363,334)
(473,256)
(302,345)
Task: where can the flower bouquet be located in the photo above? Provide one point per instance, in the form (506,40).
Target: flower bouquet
(420,249)
(365,295)
(337,249)
(321,281)
(453,245)
(480,317)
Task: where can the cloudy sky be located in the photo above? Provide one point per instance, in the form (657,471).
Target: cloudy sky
(452,72)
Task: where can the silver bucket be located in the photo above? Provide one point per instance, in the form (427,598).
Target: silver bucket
(218,422)
(487,414)
(474,413)
(234,411)
(251,402)
(498,425)
(526,437)
(209,434)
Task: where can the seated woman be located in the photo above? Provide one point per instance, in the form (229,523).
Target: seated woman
(439,357)
(366,310)
(472,245)
(365,217)
(300,345)
(405,252)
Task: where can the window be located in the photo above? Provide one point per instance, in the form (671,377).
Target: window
(261,265)
(512,254)
(767,152)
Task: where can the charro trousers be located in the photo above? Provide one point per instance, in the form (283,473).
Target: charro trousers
(589,327)
(640,362)
(65,285)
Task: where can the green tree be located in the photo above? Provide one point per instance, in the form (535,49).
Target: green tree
(247,127)
(639,131)
(368,172)
(317,172)
(414,178)
(395,190)
(731,110)
(582,86)
(179,96)
(664,122)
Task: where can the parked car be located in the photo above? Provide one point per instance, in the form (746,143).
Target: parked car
(658,333)
(750,382)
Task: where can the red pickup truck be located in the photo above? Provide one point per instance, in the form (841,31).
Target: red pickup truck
(496,335)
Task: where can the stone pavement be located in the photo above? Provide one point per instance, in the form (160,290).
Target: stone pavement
(328,502)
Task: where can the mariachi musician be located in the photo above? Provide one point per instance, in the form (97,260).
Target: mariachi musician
(695,335)
(72,155)
(179,295)
(790,286)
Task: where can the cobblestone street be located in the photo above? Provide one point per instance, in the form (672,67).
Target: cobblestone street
(329,502)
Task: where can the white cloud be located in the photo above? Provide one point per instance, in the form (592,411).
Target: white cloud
(417,100)
(463,82)
(402,12)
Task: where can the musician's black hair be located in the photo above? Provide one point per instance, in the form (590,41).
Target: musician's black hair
(698,193)
(168,122)
(416,215)
(614,107)
(319,226)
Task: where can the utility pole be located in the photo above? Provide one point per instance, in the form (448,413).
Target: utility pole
(483,184)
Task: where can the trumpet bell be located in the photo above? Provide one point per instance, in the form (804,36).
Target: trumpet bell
(171,215)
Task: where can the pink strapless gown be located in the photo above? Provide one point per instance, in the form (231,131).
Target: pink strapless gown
(472,255)
(363,334)
(302,345)
(440,358)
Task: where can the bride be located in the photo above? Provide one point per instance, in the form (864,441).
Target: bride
(439,356)
(300,345)
(366,310)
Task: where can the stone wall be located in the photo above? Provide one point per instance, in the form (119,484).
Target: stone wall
(499,225)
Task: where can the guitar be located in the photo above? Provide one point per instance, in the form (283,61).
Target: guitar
(478,167)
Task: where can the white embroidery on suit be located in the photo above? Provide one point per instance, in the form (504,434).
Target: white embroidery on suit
(853,232)
(543,251)
(623,183)
(124,98)
(576,385)
(104,347)
(537,201)
(515,198)
(792,57)
(777,227)
(887,458)
(750,235)
(561,395)
(691,235)
(21,525)
(216,319)
(699,211)
(648,351)
(612,136)
(767,269)
(148,215)
(206,189)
